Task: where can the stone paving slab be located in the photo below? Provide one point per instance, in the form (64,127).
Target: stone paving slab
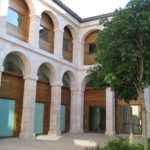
(67,142)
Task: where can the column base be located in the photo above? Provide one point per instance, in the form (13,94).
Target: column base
(27,136)
(108,133)
(49,137)
(76,131)
(54,132)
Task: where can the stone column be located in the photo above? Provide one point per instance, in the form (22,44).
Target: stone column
(4,4)
(78,52)
(55,109)
(147,105)
(77,109)
(58,43)
(110,112)
(34,29)
(29,101)
(1,72)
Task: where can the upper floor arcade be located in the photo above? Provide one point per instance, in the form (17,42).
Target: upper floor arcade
(48,27)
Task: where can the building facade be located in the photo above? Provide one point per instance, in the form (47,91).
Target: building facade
(46,51)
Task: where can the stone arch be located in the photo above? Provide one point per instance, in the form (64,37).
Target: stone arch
(46,33)
(89,47)
(31,6)
(68,43)
(86,33)
(72,30)
(51,71)
(53,17)
(71,76)
(84,82)
(27,67)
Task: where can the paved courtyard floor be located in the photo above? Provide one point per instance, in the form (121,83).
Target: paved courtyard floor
(66,142)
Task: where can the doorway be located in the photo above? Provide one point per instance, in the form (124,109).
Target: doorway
(39,118)
(97,119)
(7,115)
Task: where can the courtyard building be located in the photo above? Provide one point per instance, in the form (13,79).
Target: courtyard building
(46,50)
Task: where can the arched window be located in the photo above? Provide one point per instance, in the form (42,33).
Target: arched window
(67,45)
(13,64)
(65,104)
(11,96)
(18,19)
(90,48)
(43,101)
(46,41)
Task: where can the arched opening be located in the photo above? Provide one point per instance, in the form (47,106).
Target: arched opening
(43,101)
(67,45)
(90,48)
(46,33)
(65,104)
(11,96)
(94,109)
(18,19)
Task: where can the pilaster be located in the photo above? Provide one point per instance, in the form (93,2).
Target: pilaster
(58,43)
(34,29)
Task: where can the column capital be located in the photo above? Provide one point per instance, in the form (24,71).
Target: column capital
(59,30)
(35,18)
(57,84)
(33,78)
(77,90)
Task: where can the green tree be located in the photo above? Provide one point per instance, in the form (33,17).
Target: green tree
(123,52)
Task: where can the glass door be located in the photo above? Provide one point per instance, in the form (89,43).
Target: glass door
(63,119)
(39,118)
(7,117)
(97,119)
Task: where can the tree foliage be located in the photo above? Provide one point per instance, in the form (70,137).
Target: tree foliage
(123,51)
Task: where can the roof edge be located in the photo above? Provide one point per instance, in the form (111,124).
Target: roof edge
(76,16)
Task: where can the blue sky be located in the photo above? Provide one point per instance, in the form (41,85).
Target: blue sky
(88,8)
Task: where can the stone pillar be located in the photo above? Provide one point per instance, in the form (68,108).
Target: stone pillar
(78,52)
(34,29)
(77,110)
(29,101)
(1,72)
(110,112)
(147,105)
(55,109)
(58,43)
(4,4)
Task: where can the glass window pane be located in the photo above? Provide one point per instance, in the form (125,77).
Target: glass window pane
(7,117)
(39,118)
(92,48)
(44,33)
(14,18)
(63,118)
(67,45)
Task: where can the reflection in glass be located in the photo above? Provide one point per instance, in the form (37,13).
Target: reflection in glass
(44,33)
(14,18)
(136,119)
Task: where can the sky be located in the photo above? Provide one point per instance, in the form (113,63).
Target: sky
(88,8)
